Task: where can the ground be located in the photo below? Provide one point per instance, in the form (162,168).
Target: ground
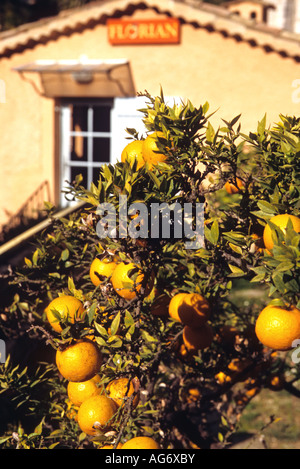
(281,434)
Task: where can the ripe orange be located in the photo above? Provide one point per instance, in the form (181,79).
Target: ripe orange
(276,382)
(252,392)
(101,270)
(151,153)
(277,327)
(95,413)
(174,305)
(191,309)
(243,397)
(232,188)
(141,442)
(121,389)
(222,378)
(197,338)
(80,391)
(133,151)
(184,353)
(281,222)
(67,307)
(193,395)
(239,364)
(127,285)
(79,361)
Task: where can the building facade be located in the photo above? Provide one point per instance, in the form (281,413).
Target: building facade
(280,14)
(69,84)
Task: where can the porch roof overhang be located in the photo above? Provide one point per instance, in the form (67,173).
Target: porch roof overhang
(82,78)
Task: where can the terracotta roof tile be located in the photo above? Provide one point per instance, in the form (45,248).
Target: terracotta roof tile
(205,15)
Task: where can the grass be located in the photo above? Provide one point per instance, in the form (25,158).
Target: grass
(284,431)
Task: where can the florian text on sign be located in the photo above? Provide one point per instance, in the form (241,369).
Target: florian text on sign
(164,31)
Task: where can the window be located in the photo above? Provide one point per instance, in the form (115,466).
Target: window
(85,140)
(93,133)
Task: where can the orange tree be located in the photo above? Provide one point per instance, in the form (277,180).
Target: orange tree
(188,379)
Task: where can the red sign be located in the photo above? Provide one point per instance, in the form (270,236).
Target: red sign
(157,31)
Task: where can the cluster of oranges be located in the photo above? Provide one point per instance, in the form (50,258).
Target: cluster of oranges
(144,151)
(276,327)
(190,309)
(96,405)
(127,278)
(81,360)
(193,311)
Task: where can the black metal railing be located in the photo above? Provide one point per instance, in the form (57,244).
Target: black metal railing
(31,212)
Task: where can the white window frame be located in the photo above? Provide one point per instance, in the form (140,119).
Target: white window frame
(124,113)
(65,142)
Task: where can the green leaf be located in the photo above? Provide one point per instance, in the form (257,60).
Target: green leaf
(65,254)
(224,421)
(35,257)
(210,133)
(101,330)
(258,278)
(285,266)
(54,275)
(215,232)
(71,285)
(148,337)
(234,236)
(236,249)
(3,440)
(38,429)
(154,179)
(100,341)
(191,268)
(115,342)
(267,208)
(28,262)
(236,271)
(128,321)
(276,302)
(115,324)
(92,312)
(261,126)
(279,283)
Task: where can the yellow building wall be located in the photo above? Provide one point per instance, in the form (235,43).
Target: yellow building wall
(206,66)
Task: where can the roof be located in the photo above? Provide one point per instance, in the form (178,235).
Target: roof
(200,15)
(258,2)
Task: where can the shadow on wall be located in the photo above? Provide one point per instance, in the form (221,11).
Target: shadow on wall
(30,213)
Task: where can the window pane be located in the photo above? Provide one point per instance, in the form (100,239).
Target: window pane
(79,118)
(96,176)
(78,148)
(101,149)
(75,171)
(101,119)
